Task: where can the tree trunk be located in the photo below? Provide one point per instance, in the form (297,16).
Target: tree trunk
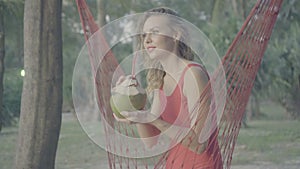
(240,9)
(216,12)
(243,10)
(2,54)
(299,80)
(101,12)
(255,107)
(235,7)
(41,104)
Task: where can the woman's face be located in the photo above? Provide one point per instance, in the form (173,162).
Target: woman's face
(157,34)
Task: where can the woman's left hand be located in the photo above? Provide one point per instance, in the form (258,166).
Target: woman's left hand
(140,116)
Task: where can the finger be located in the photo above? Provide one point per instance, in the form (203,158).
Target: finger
(131,114)
(132,117)
(117,118)
(120,80)
(124,113)
(123,120)
(135,116)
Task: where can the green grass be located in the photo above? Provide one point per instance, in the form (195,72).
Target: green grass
(8,139)
(271,111)
(268,141)
(272,139)
(75,149)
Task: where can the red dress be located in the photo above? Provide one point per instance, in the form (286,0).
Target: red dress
(176,112)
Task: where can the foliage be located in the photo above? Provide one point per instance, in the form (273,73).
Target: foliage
(13,7)
(73,40)
(12,11)
(281,65)
(13,82)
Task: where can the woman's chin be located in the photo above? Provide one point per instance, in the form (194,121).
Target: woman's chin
(152,55)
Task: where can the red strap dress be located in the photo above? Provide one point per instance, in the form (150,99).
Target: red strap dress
(176,112)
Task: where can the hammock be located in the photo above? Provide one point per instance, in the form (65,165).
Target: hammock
(240,63)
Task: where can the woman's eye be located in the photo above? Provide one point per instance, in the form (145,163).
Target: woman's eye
(155,31)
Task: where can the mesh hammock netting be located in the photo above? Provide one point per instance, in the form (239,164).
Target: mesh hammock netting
(239,65)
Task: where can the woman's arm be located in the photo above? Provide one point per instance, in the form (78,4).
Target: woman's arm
(148,132)
(145,129)
(199,98)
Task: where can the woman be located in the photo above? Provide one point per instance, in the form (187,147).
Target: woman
(176,84)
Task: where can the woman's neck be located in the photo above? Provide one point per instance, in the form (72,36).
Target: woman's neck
(173,65)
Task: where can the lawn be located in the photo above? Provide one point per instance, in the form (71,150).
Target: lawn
(276,142)
(271,140)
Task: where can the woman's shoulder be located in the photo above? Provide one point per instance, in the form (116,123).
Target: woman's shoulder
(190,64)
(196,67)
(195,78)
(196,71)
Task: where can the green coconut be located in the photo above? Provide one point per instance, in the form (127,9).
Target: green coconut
(127,96)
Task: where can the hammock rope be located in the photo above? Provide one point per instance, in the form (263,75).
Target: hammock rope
(240,63)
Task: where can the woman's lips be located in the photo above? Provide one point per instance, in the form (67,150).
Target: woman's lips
(150,48)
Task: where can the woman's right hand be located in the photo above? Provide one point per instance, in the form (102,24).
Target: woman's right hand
(139,116)
(123,120)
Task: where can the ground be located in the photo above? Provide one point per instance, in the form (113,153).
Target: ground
(266,144)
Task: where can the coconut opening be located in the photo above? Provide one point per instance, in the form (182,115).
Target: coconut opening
(129,87)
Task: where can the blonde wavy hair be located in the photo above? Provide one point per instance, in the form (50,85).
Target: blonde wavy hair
(155,75)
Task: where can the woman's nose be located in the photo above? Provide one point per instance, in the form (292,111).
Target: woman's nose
(147,38)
